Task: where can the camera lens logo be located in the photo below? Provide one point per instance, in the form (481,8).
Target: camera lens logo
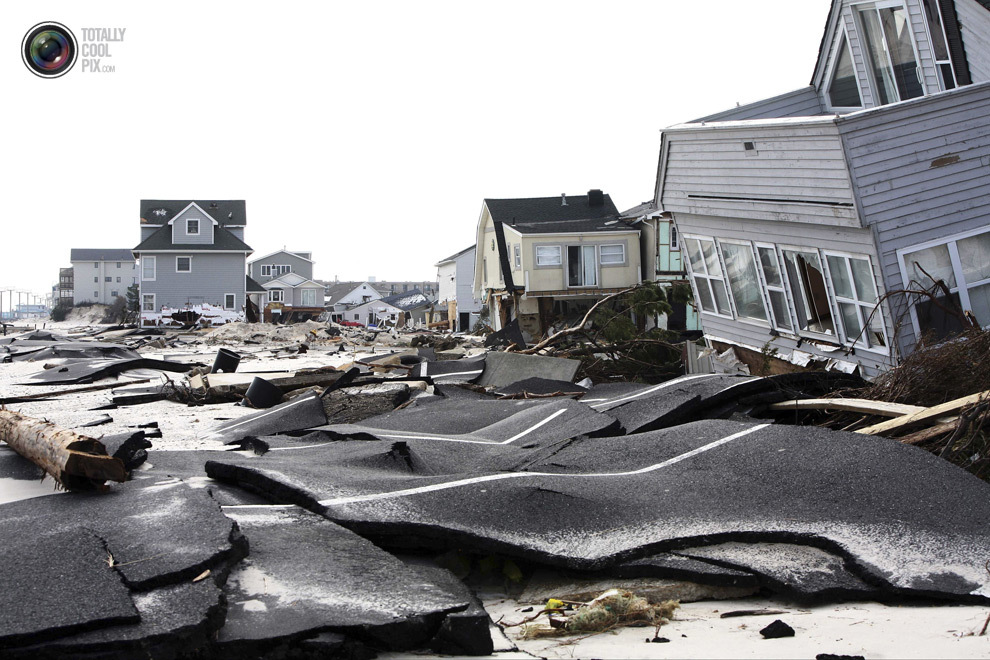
(49,50)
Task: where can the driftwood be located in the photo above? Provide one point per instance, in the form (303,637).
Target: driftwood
(865,406)
(925,415)
(75,461)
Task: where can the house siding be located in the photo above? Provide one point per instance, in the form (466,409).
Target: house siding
(912,188)
(299,266)
(974,22)
(798,172)
(83,273)
(803,102)
(755,336)
(147,231)
(179,235)
(212,276)
(553,278)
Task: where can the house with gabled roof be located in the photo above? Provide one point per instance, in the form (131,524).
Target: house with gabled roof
(841,222)
(408,308)
(542,258)
(279,263)
(192,257)
(455,293)
(293,297)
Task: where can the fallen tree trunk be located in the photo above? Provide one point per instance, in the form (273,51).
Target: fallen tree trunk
(75,461)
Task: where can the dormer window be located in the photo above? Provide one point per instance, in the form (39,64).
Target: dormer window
(192,227)
(843,90)
(886,29)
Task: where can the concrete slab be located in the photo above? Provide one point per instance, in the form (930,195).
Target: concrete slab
(503,369)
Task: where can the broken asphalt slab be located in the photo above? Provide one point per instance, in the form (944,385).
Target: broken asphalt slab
(503,369)
(287,591)
(87,371)
(595,503)
(303,412)
(465,370)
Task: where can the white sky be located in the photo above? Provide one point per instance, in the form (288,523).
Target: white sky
(366,132)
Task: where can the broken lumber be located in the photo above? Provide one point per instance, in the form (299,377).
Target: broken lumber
(864,406)
(75,461)
(925,414)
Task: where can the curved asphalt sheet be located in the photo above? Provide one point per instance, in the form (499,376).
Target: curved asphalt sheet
(675,567)
(306,575)
(595,503)
(465,370)
(89,370)
(297,414)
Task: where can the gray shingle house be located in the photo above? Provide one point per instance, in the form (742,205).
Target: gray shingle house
(192,256)
(805,216)
(280,263)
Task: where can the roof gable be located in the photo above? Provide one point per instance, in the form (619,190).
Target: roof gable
(161,240)
(194,207)
(298,255)
(292,281)
(157,212)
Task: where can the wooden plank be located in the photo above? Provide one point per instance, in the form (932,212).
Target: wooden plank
(865,406)
(928,414)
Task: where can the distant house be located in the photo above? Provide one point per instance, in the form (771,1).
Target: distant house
(340,296)
(293,297)
(101,274)
(538,259)
(388,288)
(455,275)
(281,263)
(806,216)
(192,256)
(64,292)
(412,306)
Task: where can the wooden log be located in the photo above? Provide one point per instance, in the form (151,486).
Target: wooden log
(864,406)
(925,415)
(77,462)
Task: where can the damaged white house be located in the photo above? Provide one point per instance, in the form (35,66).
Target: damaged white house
(807,216)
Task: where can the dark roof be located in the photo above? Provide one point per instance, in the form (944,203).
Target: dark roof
(251,286)
(337,290)
(547,215)
(407,300)
(100,254)
(161,239)
(454,256)
(226,212)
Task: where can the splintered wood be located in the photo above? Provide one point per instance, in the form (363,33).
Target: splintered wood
(75,461)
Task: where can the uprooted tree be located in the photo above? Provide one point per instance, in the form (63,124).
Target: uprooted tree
(612,339)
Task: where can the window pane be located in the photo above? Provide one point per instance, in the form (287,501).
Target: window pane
(979,299)
(897,29)
(877,52)
(974,255)
(840,277)
(866,287)
(590,267)
(780,314)
(548,255)
(935,28)
(804,271)
(843,91)
(711,259)
(705,296)
(850,321)
(721,297)
(740,268)
(933,261)
(768,258)
(612,254)
(694,254)
(574,265)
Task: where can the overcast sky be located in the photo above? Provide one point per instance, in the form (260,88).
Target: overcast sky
(366,132)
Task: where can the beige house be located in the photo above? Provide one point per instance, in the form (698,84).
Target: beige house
(545,258)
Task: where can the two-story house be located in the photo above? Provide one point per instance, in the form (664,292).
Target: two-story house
(542,258)
(102,274)
(805,217)
(455,276)
(192,258)
(287,281)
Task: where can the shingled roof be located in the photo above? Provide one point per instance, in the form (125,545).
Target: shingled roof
(223,241)
(225,212)
(100,254)
(549,215)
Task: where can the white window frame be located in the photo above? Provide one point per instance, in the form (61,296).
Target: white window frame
(278,270)
(302,297)
(931,43)
(622,254)
(233,298)
(114,294)
(834,338)
(183,256)
(598,270)
(962,286)
(276,295)
(673,238)
(864,310)
(782,289)
(192,233)
(759,274)
(144,302)
(843,37)
(554,262)
(863,40)
(145,262)
(266,267)
(707,277)
(517,256)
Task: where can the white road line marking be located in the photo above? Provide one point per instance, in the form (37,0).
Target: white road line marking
(337,501)
(322,444)
(455,373)
(478,442)
(535,426)
(252,419)
(656,388)
(259,506)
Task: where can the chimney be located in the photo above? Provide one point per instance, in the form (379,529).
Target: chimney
(596,197)
(563,199)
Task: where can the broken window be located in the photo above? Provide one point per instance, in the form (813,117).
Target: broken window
(740,270)
(775,287)
(856,296)
(548,255)
(582,270)
(707,275)
(613,254)
(809,294)
(843,89)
